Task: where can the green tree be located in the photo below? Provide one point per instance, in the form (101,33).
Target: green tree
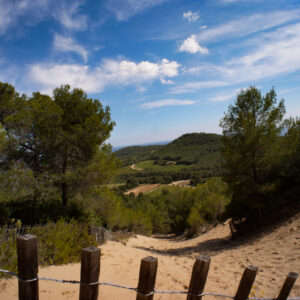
(59,141)
(85,126)
(287,165)
(251,132)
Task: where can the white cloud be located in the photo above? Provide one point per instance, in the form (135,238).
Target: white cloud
(191,16)
(30,12)
(247,25)
(191,45)
(221,98)
(69,16)
(166,81)
(12,11)
(110,72)
(125,9)
(166,102)
(67,44)
(271,54)
(189,87)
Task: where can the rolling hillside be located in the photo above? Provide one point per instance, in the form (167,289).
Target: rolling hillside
(134,154)
(193,155)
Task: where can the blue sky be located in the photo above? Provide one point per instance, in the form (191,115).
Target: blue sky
(165,67)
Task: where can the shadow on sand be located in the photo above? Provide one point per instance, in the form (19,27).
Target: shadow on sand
(211,247)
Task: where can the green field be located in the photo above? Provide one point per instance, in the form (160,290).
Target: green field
(149,164)
(157,192)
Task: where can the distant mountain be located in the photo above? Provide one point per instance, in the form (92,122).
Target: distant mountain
(145,144)
(134,154)
(190,148)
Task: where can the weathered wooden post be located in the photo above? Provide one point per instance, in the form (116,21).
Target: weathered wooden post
(287,286)
(246,283)
(27,253)
(147,277)
(90,270)
(199,276)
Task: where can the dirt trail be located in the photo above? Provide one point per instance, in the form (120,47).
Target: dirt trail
(143,188)
(275,253)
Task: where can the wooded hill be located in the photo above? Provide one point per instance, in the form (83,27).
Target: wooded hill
(134,154)
(193,155)
(189,148)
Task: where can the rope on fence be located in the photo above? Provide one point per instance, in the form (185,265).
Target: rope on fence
(132,288)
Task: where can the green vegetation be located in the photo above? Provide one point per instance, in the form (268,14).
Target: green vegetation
(193,156)
(174,209)
(261,152)
(58,243)
(56,170)
(150,164)
(135,154)
(54,146)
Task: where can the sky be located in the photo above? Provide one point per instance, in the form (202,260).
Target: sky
(164,67)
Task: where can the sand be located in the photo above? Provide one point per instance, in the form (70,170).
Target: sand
(275,252)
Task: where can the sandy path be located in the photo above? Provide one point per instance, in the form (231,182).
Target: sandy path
(275,253)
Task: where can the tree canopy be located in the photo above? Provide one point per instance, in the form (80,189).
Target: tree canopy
(57,143)
(253,138)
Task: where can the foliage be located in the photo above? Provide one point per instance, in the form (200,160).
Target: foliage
(53,148)
(135,154)
(191,156)
(58,243)
(173,209)
(255,150)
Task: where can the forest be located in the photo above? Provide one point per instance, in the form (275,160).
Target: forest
(194,156)
(57,169)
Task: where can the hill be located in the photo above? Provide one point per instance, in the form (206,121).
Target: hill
(134,154)
(192,155)
(190,147)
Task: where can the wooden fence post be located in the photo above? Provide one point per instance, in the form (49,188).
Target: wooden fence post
(28,267)
(90,270)
(287,286)
(246,283)
(147,277)
(199,276)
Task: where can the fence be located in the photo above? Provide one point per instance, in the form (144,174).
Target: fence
(90,270)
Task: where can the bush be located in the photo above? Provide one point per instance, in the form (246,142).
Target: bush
(58,243)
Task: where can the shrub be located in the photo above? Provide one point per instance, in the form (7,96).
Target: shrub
(58,243)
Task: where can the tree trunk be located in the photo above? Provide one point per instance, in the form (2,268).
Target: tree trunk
(64,184)
(64,193)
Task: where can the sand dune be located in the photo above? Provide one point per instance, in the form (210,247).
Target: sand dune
(275,253)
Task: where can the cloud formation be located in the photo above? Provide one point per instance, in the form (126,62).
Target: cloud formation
(109,73)
(191,16)
(68,15)
(242,27)
(192,46)
(166,102)
(271,54)
(125,9)
(30,12)
(247,25)
(67,44)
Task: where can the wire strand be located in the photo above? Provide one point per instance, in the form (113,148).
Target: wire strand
(134,289)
